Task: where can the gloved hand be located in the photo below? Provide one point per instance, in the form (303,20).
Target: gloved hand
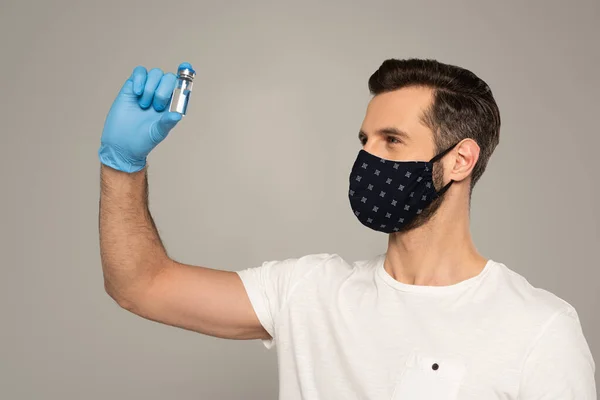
(138,120)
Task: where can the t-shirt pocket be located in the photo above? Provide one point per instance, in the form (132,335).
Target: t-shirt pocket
(427,377)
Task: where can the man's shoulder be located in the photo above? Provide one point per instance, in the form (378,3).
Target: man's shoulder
(330,261)
(325,270)
(515,290)
(321,266)
(334,265)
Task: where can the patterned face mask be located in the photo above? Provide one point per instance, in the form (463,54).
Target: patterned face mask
(386,195)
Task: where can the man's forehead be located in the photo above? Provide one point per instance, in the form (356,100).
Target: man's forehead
(402,108)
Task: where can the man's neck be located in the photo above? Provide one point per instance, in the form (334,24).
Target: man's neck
(439,253)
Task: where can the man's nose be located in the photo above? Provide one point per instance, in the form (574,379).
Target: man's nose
(372,147)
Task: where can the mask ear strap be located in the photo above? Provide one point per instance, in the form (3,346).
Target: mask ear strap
(442,154)
(437,158)
(443,190)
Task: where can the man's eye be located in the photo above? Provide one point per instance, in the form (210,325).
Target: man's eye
(393,140)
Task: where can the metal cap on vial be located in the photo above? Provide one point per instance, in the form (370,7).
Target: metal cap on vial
(186,73)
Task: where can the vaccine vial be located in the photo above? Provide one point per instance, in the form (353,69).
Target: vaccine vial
(183,90)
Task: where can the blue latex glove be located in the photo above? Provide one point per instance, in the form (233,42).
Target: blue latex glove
(139,119)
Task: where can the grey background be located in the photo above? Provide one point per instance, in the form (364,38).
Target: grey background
(258,170)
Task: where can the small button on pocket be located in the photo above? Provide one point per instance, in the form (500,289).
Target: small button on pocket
(430,377)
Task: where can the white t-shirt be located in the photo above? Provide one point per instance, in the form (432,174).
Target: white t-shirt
(350,331)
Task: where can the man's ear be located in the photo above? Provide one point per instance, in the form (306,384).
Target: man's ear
(462,159)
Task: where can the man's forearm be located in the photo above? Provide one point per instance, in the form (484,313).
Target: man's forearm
(130,246)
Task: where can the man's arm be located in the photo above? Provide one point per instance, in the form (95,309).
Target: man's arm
(142,278)
(138,273)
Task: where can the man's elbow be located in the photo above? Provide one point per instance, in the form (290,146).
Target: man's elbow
(122,299)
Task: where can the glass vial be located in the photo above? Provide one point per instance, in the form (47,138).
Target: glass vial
(183,90)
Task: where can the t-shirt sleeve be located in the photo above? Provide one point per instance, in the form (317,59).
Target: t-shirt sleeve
(560,364)
(271,285)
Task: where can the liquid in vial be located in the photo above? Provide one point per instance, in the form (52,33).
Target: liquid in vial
(183,90)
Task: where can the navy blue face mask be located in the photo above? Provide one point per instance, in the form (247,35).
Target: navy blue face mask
(387,195)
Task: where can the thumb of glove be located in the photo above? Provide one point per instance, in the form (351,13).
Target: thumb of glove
(161,128)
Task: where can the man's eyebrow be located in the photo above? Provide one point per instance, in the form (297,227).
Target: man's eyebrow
(387,131)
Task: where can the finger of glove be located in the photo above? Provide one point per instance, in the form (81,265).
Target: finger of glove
(127,88)
(161,128)
(164,91)
(154,77)
(138,77)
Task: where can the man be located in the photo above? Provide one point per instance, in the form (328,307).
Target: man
(429,319)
